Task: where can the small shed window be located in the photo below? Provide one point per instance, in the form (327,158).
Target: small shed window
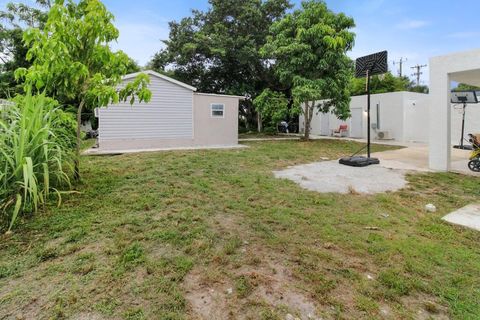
(218,110)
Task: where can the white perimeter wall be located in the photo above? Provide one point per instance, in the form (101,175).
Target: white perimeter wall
(403,114)
(415,117)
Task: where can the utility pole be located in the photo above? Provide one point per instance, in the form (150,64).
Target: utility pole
(400,64)
(418,72)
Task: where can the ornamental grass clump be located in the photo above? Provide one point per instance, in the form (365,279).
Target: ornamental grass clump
(36,140)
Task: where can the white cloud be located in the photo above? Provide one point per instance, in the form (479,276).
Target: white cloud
(412,24)
(464,35)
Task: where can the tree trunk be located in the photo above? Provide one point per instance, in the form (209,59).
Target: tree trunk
(308,119)
(259,122)
(76,172)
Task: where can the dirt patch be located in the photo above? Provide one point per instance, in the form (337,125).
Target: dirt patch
(425,307)
(88,316)
(239,293)
(36,295)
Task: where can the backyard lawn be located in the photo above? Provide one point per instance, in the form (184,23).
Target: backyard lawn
(212,234)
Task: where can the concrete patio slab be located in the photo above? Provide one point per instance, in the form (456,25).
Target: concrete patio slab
(100,152)
(330,176)
(415,157)
(468,216)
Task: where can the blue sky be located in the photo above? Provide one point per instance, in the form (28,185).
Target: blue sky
(412,29)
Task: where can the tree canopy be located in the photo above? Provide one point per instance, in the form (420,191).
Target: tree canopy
(307,50)
(466,87)
(15,18)
(219,50)
(272,106)
(385,83)
(72,59)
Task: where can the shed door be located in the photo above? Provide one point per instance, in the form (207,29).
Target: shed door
(356,130)
(325,124)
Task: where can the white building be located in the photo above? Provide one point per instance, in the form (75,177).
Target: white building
(400,116)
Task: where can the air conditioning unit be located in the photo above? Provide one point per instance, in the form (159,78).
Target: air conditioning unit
(384,135)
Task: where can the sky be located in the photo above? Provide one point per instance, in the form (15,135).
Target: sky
(411,29)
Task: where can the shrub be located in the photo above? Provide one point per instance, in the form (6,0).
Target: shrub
(36,139)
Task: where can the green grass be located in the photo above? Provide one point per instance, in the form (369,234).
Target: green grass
(145,225)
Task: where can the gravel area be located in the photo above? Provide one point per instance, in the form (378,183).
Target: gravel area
(330,176)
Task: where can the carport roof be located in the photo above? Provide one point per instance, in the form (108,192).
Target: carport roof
(471,77)
(462,67)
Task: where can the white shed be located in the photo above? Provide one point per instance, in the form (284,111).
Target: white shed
(400,116)
(176,117)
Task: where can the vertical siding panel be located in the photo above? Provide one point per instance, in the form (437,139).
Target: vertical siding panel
(169,115)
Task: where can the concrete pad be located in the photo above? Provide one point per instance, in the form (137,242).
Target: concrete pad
(330,176)
(99,151)
(468,216)
(415,157)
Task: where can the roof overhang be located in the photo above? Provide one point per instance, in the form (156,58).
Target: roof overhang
(161,76)
(462,67)
(220,95)
(471,77)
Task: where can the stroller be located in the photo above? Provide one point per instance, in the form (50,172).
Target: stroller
(474,163)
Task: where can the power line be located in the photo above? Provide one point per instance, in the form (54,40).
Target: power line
(418,72)
(400,63)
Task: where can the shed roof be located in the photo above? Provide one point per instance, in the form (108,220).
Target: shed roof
(220,95)
(161,76)
(179,83)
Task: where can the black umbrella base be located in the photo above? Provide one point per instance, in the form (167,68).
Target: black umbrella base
(359,161)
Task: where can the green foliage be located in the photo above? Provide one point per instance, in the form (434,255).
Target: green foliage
(272,106)
(385,83)
(419,89)
(71,55)
(35,160)
(219,50)
(13,51)
(309,49)
(466,87)
(72,59)
(380,84)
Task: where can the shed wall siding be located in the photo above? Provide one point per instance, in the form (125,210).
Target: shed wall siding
(169,115)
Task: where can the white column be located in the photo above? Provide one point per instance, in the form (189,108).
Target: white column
(440,114)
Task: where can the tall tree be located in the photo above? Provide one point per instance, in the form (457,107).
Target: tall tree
(72,60)
(308,50)
(14,19)
(272,106)
(219,50)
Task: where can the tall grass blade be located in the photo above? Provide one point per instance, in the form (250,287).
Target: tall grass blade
(36,155)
